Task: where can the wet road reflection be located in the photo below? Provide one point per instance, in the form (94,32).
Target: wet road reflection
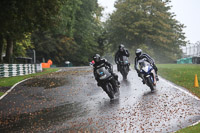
(75,103)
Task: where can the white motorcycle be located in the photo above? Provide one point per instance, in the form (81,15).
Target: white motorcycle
(148,73)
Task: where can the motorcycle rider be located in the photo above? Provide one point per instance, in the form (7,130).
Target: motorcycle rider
(98,61)
(140,55)
(119,54)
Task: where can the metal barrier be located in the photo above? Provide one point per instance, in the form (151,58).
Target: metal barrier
(9,70)
(185,61)
(191,49)
(189,60)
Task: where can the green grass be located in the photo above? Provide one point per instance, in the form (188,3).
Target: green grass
(10,81)
(182,75)
(192,129)
(1,93)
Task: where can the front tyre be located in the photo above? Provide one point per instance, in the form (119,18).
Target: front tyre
(150,83)
(109,90)
(124,72)
(125,75)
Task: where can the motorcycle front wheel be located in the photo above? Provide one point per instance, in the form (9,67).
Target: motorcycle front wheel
(150,83)
(109,90)
(124,72)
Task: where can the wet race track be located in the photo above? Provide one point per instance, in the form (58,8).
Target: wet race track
(71,101)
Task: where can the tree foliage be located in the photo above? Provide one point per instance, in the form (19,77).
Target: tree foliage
(71,30)
(88,30)
(147,24)
(77,35)
(19,18)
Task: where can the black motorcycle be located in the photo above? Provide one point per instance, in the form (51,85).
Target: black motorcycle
(109,83)
(124,66)
(148,73)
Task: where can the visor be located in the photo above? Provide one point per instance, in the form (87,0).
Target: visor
(96,59)
(138,54)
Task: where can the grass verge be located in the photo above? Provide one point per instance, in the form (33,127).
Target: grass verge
(10,81)
(192,129)
(182,75)
(1,93)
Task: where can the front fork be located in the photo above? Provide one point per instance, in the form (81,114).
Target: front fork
(154,75)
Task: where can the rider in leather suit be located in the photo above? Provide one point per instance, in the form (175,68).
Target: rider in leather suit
(120,53)
(139,56)
(99,61)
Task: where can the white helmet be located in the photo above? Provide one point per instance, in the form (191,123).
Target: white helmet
(121,47)
(96,57)
(138,52)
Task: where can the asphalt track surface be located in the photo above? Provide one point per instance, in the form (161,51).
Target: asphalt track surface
(70,101)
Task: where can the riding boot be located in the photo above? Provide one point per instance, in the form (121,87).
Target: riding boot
(118,67)
(117,83)
(157,79)
(143,81)
(114,75)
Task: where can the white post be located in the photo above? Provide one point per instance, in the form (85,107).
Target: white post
(34,57)
(67,62)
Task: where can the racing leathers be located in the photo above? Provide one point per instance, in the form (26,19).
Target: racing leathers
(119,56)
(148,59)
(104,62)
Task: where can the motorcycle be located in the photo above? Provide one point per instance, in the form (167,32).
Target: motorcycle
(109,83)
(124,66)
(148,73)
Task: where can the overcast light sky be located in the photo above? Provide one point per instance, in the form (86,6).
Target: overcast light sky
(187,12)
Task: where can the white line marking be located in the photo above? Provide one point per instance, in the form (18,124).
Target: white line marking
(12,88)
(195,123)
(184,91)
(59,70)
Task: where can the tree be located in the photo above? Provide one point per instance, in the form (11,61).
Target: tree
(56,47)
(70,29)
(149,25)
(77,36)
(1,48)
(21,17)
(88,30)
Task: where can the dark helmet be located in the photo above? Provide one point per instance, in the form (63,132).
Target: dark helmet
(138,52)
(97,57)
(121,47)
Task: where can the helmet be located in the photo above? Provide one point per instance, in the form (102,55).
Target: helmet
(121,47)
(96,57)
(138,52)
